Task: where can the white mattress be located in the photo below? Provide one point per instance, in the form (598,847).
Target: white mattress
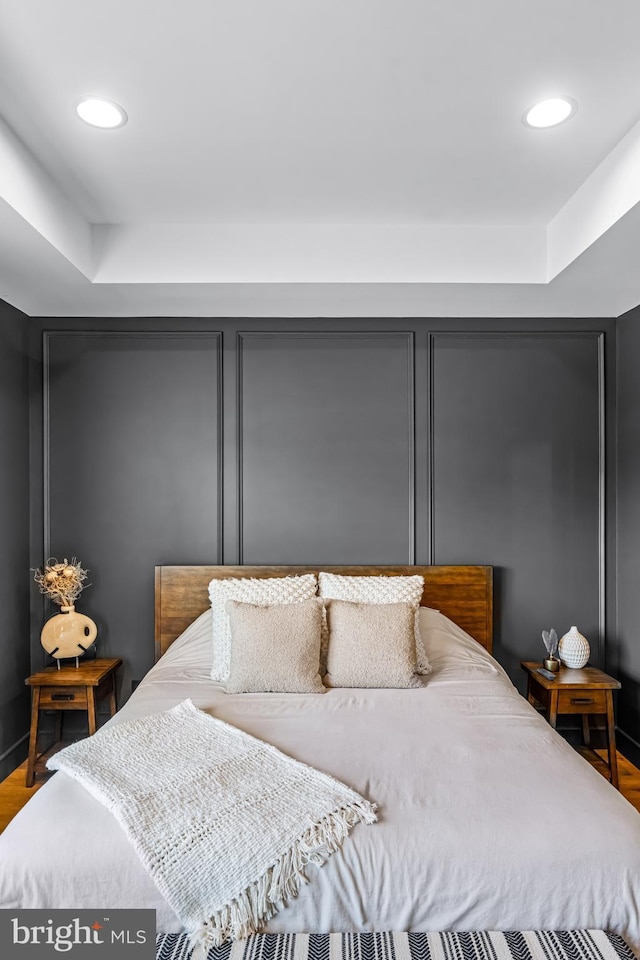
(488,820)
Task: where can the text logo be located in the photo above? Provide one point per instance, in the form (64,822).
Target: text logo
(79,934)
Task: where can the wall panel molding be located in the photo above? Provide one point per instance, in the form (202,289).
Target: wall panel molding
(132,470)
(375,366)
(598,336)
(407,338)
(144,336)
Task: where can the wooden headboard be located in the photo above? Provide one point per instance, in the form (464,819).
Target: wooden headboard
(464,594)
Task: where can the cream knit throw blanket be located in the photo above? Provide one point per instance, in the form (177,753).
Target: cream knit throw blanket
(224,823)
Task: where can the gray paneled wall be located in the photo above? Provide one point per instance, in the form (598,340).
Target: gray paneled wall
(623,649)
(14,537)
(517,465)
(132,469)
(326,442)
(363,441)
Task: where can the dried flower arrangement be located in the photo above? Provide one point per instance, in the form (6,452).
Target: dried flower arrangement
(61,582)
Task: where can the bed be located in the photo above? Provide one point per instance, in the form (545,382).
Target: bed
(488,820)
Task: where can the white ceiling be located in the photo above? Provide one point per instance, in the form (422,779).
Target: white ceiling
(336,157)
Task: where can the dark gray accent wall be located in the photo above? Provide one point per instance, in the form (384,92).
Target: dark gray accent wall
(131,470)
(14,537)
(326,439)
(623,652)
(518,468)
(319,441)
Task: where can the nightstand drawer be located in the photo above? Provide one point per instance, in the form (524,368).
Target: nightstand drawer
(69,698)
(582,701)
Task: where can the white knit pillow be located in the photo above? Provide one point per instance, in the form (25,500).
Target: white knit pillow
(378,589)
(263,592)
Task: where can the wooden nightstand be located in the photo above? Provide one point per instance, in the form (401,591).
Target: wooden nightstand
(587,691)
(69,688)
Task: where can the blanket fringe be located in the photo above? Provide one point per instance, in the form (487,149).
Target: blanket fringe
(281,882)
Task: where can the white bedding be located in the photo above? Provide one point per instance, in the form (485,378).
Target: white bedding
(488,820)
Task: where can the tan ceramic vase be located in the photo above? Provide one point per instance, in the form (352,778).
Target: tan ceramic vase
(68,634)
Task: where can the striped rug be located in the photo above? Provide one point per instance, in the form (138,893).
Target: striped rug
(530,945)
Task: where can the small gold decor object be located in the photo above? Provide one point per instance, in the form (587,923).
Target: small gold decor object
(67,634)
(550,640)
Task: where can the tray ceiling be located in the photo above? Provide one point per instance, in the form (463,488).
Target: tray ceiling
(336,158)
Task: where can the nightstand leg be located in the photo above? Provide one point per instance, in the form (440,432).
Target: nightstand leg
(586,730)
(112,696)
(530,696)
(91,710)
(611,737)
(33,736)
(553,708)
(58,730)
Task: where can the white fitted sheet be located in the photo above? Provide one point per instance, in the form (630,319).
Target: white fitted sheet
(488,820)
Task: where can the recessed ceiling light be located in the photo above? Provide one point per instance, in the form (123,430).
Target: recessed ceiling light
(101,113)
(551,112)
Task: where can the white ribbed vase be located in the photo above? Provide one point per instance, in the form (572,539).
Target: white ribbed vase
(574,649)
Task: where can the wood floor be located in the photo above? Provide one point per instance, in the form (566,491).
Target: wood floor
(14,794)
(628,776)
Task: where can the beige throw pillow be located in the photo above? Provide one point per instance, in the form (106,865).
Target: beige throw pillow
(371,645)
(376,589)
(274,649)
(262,591)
